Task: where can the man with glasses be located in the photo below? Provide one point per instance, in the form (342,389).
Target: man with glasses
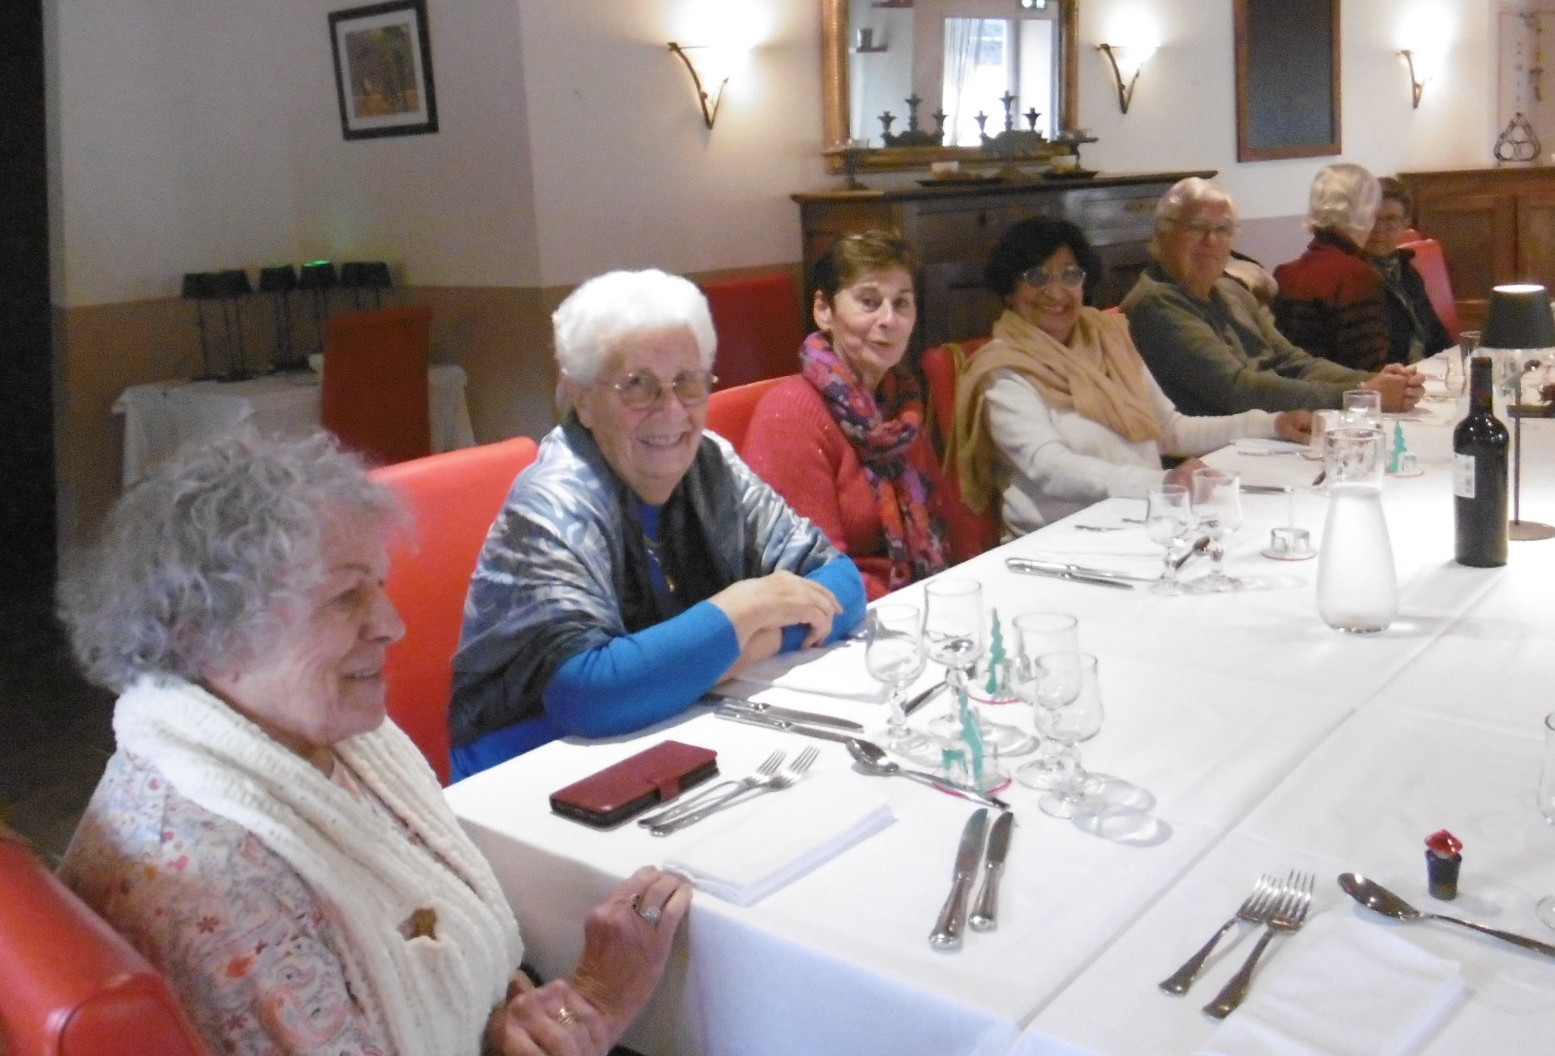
(1210,345)
(638,562)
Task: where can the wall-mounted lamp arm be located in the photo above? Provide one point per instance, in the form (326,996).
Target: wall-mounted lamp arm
(709,103)
(1125,91)
(1416,82)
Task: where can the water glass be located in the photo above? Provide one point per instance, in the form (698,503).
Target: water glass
(1038,634)
(1217,500)
(1322,421)
(1546,905)
(1168,519)
(1363,407)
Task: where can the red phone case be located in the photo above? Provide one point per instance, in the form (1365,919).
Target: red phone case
(635,783)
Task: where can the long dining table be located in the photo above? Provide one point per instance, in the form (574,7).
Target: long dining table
(1253,739)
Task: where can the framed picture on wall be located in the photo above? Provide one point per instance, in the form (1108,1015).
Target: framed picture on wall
(383,70)
(1287,78)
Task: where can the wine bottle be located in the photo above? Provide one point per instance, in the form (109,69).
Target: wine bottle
(1479,486)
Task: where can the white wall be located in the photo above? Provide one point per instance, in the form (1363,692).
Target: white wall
(195,134)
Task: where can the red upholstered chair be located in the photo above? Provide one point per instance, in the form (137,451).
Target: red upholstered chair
(374,392)
(1432,266)
(69,984)
(970,533)
(729,411)
(454,497)
(760,324)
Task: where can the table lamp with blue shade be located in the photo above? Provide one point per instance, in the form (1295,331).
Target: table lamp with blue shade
(1519,323)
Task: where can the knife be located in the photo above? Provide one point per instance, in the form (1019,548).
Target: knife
(985,911)
(1199,546)
(1265,489)
(785,725)
(1062,568)
(947,930)
(756,706)
(1017,564)
(923,698)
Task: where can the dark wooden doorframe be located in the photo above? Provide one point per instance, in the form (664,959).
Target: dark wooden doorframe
(28,558)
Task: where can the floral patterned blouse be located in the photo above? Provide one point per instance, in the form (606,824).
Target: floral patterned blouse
(235,929)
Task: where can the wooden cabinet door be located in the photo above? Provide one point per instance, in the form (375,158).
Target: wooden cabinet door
(1536,238)
(1478,233)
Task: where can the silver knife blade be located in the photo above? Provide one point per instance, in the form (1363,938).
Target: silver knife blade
(952,916)
(923,698)
(751,718)
(815,717)
(1265,489)
(985,912)
(1017,564)
(1065,568)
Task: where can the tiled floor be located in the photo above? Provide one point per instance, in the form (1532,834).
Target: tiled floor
(55,732)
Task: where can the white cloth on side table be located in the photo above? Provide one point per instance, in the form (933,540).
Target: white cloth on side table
(793,832)
(1353,988)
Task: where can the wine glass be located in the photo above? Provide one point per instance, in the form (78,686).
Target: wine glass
(953,629)
(1545,908)
(1069,711)
(1217,499)
(894,654)
(1363,408)
(1038,634)
(1168,517)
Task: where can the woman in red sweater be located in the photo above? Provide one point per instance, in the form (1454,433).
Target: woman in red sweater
(844,441)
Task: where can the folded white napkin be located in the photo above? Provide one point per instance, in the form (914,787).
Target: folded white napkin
(764,847)
(836,671)
(1268,445)
(1351,987)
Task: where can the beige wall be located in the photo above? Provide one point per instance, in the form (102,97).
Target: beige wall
(200,134)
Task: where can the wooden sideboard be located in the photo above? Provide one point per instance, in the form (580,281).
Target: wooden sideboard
(1495,226)
(955,227)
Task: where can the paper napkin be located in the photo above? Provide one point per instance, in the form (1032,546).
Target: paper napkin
(764,847)
(836,671)
(1354,987)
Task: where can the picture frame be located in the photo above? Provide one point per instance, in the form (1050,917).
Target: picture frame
(1287,79)
(383,70)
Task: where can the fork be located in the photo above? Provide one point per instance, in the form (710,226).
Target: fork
(1254,910)
(788,776)
(1289,915)
(729,789)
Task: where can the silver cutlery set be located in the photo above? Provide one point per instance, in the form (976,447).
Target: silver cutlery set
(980,851)
(770,776)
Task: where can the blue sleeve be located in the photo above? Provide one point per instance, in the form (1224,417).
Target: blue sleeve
(840,576)
(639,679)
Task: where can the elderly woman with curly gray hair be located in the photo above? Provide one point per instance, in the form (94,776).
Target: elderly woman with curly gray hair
(638,561)
(264,835)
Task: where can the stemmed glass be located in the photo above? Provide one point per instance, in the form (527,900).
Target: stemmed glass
(1363,408)
(1069,711)
(1546,905)
(1217,499)
(894,654)
(953,629)
(1168,518)
(1038,634)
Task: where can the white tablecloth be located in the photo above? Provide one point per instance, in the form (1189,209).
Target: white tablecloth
(161,416)
(1259,739)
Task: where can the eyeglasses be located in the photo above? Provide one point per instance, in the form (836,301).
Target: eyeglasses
(642,390)
(1200,229)
(1072,276)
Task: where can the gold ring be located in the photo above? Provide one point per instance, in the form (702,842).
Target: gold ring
(566,1016)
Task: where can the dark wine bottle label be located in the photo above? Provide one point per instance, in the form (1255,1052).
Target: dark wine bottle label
(1463,476)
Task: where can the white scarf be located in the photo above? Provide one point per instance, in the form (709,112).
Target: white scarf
(427,995)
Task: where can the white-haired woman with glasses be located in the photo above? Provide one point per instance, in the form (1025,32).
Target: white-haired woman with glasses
(638,562)
(262,833)
(1332,301)
(1058,411)
(1212,346)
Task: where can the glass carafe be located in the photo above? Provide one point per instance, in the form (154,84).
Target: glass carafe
(1357,587)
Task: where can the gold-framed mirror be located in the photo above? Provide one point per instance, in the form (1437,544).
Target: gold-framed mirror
(913,34)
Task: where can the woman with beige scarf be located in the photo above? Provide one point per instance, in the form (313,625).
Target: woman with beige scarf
(263,834)
(1058,411)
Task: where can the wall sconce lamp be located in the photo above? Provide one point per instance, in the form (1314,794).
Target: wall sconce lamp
(719,79)
(1422,67)
(1126,61)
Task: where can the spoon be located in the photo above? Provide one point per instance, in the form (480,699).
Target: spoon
(872,758)
(1379,899)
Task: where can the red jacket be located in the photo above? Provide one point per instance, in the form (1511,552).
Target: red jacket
(1332,303)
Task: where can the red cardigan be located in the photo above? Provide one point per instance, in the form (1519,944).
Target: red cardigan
(1332,304)
(795,445)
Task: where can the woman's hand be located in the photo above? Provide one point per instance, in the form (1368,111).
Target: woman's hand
(626,942)
(1295,426)
(1401,387)
(1183,473)
(552,1020)
(773,602)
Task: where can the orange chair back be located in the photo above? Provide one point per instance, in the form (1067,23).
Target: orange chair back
(1431,263)
(69,984)
(970,533)
(374,393)
(760,325)
(729,411)
(454,497)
